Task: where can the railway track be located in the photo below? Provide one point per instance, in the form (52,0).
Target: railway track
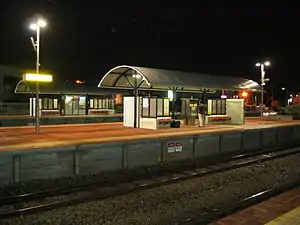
(17,198)
(47,200)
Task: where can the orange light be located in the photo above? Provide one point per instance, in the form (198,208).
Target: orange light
(79,82)
(244,94)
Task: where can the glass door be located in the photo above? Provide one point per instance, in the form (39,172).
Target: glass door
(69,105)
(82,105)
(75,105)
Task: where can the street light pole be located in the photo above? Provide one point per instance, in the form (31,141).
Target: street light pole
(37,26)
(263,80)
(37,103)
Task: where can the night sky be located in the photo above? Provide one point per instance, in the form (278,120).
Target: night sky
(85,40)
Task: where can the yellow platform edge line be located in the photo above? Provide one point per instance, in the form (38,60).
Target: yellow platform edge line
(290,218)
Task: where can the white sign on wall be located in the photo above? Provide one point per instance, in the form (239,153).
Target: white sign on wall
(171,147)
(178,147)
(174,147)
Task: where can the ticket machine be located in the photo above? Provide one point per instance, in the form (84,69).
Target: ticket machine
(189,110)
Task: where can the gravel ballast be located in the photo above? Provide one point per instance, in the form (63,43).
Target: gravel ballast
(170,203)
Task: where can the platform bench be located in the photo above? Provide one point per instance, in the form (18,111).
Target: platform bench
(164,123)
(218,119)
(101,112)
(50,112)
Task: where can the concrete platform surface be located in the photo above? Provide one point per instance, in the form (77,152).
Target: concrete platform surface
(280,210)
(22,138)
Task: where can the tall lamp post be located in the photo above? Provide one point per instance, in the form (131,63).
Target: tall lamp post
(40,23)
(263,82)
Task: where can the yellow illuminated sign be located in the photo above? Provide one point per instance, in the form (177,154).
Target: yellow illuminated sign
(37,77)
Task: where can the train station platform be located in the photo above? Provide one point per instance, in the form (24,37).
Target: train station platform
(69,150)
(280,210)
(22,138)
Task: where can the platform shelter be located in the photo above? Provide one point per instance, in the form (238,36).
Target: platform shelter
(142,78)
(63,98)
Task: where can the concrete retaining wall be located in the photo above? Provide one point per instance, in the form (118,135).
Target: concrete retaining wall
(16,166)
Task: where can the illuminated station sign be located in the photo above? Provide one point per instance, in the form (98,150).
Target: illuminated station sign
(37,77)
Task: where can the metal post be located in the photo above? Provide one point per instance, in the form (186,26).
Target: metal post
(136,93)
(262,102)
(1,85)
(262,71)
(37,104)
(173,104)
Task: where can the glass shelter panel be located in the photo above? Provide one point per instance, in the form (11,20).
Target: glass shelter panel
(49,103)
(55,103)
(145,107)
(153,108)
(217,107)
(99,103)
(166,107)
(223,107)
(160,105)
(45,103)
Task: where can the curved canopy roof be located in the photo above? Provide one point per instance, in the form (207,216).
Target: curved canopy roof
(24,87)
(125,77)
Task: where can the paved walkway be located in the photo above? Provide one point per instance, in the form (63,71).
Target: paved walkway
(22,138)
(270,212)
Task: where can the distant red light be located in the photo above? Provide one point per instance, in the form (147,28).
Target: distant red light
(79,82)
